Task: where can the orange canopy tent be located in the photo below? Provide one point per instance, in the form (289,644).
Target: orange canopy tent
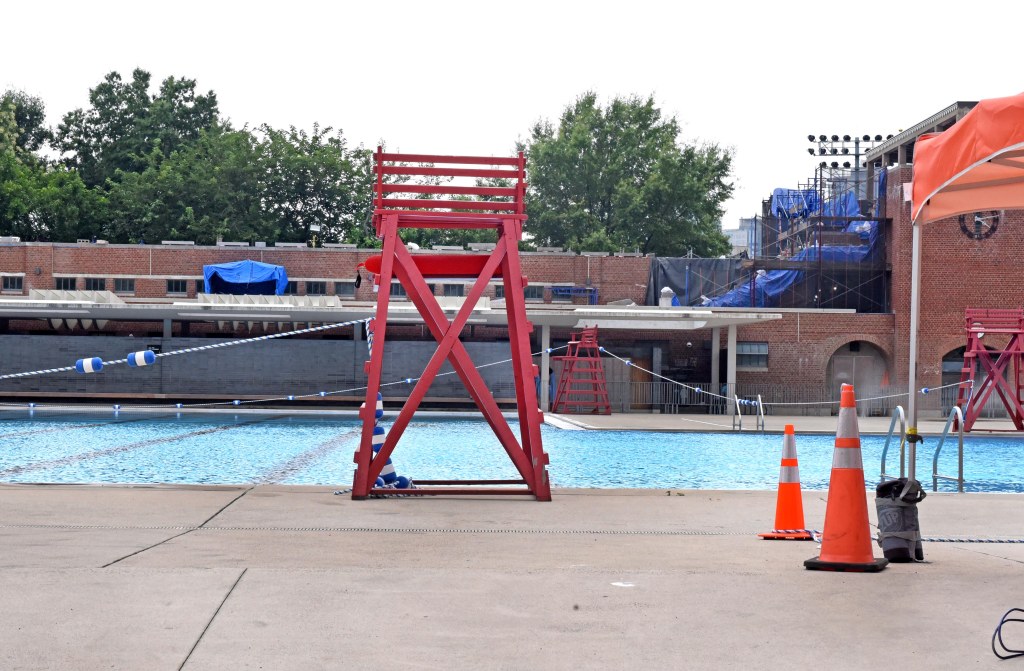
(977,164)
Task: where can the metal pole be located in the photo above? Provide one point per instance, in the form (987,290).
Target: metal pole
(545,364)
(686,294)
(730,369)
(915,299)
(856,169)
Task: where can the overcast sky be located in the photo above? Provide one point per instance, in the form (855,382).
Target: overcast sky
(472,77)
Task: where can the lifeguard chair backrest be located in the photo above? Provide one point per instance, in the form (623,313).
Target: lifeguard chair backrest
(983,320)
(458,200)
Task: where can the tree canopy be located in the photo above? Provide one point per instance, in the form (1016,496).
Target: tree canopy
(148,163)
(617,178)
(137,165)
(124,124)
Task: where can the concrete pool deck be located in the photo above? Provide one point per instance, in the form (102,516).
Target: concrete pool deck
(288,577)
(275,577)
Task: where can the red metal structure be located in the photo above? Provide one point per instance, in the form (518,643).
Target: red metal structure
(498,205)
(582,387)
(995,363)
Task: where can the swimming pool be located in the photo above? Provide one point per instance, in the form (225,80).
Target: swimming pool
(311,449)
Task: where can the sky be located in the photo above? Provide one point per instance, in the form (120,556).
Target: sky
(471,78)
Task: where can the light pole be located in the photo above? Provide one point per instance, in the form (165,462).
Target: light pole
(834,145)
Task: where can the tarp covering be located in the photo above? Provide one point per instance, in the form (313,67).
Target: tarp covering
(691,278)
(794,203)
(245,277)
(977,164)
(845,205)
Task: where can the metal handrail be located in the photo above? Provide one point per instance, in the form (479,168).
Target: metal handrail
(760,415)
(738,414)
(958,415)
(897,413)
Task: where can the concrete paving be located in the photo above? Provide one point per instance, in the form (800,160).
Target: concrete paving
(274,577)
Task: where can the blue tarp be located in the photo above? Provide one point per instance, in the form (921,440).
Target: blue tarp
(245,277)
(766,288)
(845,205)
(794,203)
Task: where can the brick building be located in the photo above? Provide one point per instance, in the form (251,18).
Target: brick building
(803,354)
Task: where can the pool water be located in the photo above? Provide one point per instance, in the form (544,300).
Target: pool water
(305,449)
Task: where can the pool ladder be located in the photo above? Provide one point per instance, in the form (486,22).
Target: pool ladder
(737,415)
(954,415)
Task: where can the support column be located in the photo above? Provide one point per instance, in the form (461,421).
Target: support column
(658,399)
(168,328)
(730,368)
(545,367)
(716,347)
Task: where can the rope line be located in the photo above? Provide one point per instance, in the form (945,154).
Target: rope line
(202,348)
(290,397)
(712,394)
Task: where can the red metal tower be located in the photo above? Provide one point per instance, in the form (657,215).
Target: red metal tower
(499,206)
(978,358)
(582,387)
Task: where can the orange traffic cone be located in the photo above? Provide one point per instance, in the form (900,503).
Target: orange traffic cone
(846,539)
(789,506)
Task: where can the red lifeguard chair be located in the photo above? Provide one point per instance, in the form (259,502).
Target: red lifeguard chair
(978,358)
(582,387)
(498,206)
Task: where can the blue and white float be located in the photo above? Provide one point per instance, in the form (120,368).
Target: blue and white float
(93,365)
(143,358)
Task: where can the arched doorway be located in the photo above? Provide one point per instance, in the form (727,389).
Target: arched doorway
(863,365)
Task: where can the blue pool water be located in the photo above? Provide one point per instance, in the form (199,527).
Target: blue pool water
(134,447)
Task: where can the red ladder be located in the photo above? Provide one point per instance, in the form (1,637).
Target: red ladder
(401,204)
(978,358)
(582,387)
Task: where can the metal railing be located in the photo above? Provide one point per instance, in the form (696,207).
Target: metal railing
(897,415)
(954,415)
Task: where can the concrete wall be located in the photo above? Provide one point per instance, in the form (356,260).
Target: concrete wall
(273,367)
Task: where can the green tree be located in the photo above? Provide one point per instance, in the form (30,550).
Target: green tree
(124,123)
(38,202)
(314,180)
(213,188)
(617,177)
(30,119)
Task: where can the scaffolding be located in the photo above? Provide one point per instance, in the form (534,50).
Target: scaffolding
(821,245)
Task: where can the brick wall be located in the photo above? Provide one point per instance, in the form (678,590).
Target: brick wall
(615,278)
(956,273)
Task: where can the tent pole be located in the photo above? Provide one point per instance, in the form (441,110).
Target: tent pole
(915,299)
